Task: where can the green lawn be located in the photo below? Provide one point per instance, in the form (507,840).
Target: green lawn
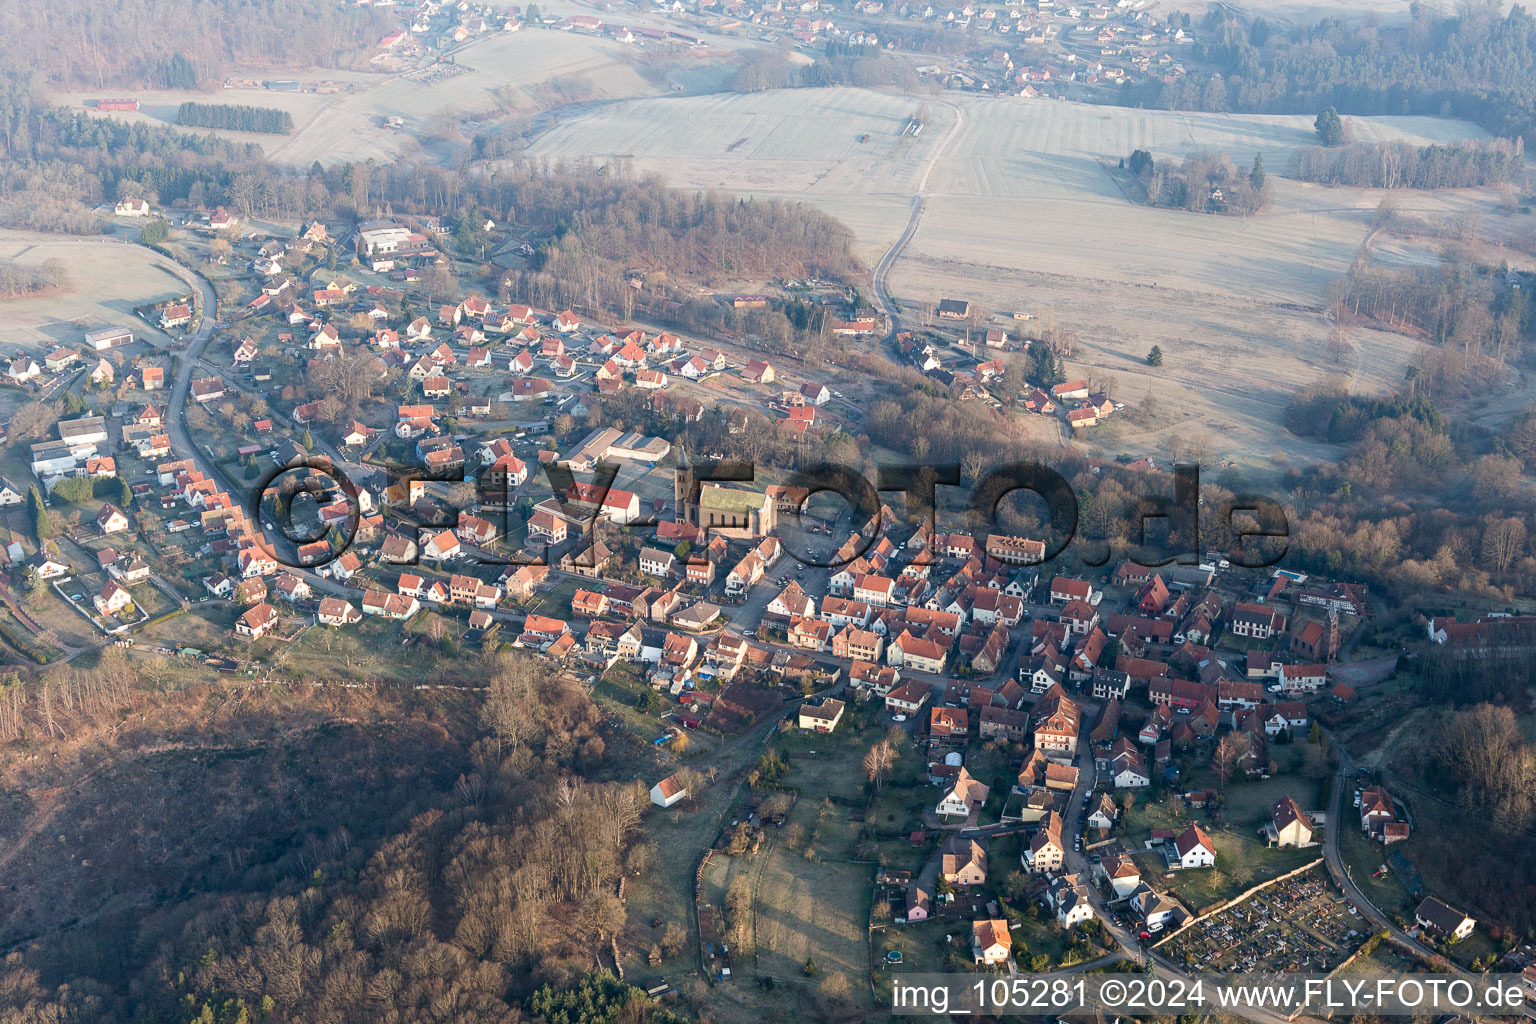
(1363,858)
(1477,946)
(1242,859)
(1240,865)
(930,947)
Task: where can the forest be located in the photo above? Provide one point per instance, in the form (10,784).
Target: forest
(1477,64)
(19,280)
(1455,304)
(176,44)
(1402,165)
(236,117)
(386,859)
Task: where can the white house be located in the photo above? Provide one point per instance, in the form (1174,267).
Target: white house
(962,795)
(1123,875)
(1195,848)
(1433,915)
(668,791)
(112,599)
(1153,907)
(1069,897)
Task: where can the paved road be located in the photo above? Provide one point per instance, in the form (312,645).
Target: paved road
(1335,862)
(1077,861)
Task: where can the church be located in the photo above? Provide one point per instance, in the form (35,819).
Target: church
(720,508)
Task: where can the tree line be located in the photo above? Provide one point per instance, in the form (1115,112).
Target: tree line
(1458,304)
(1403,165)
(18,280)
(1473,64)
(235,117)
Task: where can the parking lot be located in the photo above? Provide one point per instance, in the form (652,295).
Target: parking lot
(1301,924)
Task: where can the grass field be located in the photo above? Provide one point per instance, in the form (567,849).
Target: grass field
(1364,858)
(1242,859)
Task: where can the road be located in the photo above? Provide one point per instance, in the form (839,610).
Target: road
(882,295)
(1335,862)
(1078,863)
(189,364)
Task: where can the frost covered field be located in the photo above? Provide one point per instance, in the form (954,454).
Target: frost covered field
(1023,209)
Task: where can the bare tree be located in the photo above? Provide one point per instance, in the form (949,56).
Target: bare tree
(878,761)
(1229,751)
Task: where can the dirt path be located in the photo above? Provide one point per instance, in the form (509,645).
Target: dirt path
(46,806)
(919,196)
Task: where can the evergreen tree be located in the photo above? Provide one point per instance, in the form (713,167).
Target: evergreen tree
(1155,357)
(1046,370)
(1330,128)
(235,116)
(308,441)
(1256,176)
(42,522)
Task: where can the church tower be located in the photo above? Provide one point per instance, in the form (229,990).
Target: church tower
(683,487)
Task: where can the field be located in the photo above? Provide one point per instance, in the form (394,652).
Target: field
(499,72)
(838,148)
(1024,209)
(107,279)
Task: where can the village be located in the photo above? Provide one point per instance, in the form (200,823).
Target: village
(1133,762)
(1033,49)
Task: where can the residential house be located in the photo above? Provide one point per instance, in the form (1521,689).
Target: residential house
(1046,850)
(334,611)
(112,598)
(962,796)
(821,716)
(945,721)
(991,942)
(1289,825)
(908,697)
(257,621)
(111,520)
(1434,916)
(963,862)
(1195,848)
(1123,875)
